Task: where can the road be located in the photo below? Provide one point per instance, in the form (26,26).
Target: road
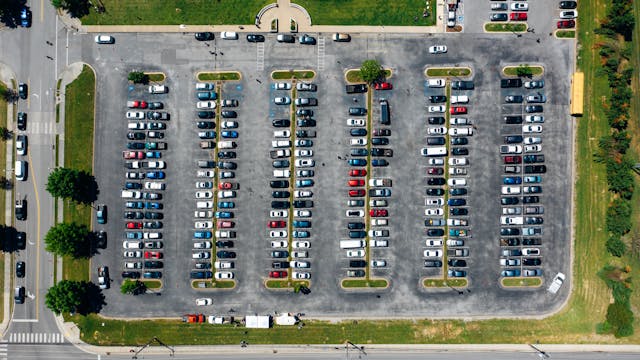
(31,55)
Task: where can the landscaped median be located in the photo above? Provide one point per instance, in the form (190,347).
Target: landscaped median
(523,70)
(521,282)
(156,76)
(352,76)
(445,283)
(565,34)
(448,71)
(506,27)
(219,76)
(153,284)
(359,284)
(293,74)
(283,284)
(213,284)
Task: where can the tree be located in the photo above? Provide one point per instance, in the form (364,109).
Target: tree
(370,71)
(524,71)
(615,246)
(65,296)
(620,317)
(138,77)
(5,134)
(63,182)
(68,239)
(75,8)
(133,287)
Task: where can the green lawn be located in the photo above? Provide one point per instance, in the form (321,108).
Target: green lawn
(214,76)
(445,282)
(528,281)
(505,27)
(190,12)
(156,77)
(455,72)
(300,74)
(78,154)
(353,75)
(566,34)
(369,12)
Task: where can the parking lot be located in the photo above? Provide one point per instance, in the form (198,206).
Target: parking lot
(180,57)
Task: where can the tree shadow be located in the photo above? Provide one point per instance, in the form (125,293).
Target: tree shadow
(94,300)
(10,12)
(12,240)
(87,188)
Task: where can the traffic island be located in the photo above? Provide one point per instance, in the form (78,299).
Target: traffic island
(218,76)
(448,71)
(288,285)
(565,34)
(156,77)
(361,284)
(506,27)
(213,285)
(525,70)
(519,282)
(352,76)
(153,284)
(445,283)
(293,74)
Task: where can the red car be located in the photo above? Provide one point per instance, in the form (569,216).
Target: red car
(566,24)
(133,154)
(225,186)
(383,86)
(435,171)
(152,255)
(356,182)
(225,224)
(378,212)
(277,224)
(517,16)
(358,172)
(137,104)
(134,225)
(512,159)
(277,274)
(458,110)
(356,193)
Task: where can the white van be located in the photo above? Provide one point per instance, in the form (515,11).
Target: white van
(434,151)
(227,145)
(436,83)
(229,35)
(204,205)
(459,99)
(451,19)
(281,143)
(20,170)
(128,194)
(352,244)
(281,173)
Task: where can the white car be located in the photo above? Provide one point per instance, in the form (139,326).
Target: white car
(358,142)
(202,245)
(300,275)
(432,253)
(511,190)
(104,39)
(461,131)
(282,86)
(203,214)
(530,251)
(220,275)
(302,194)
(571,14)
(355,122)
(458,121)
(156,165)
(435,161)
(301,244)
(299,264)
(302,213)
(223,264)
(277,233)
(458,161)
(152,235)
(204,185)
(227,194)
(434,212)
(519,6)
(455,242)
(227,234)
(21,144)
(434,201)
(378,203)
(299,254)
(355,253)
(437,130)
(206,105)
(436,108)
(378,233)
(511,211)
(279,213)
(379,222)
(436,83)
(532,148)
(204,195)
(279,244)
(303,152)
(132,244)
(132,254)
(457,222)
(229,35)
(282,133)
(534,118)
(133,265)
(229,124)
(531,129)
(204,204)
(509,262)
(532,140)
(457,182)
(135,115)
(206,173)
(304,163)
(152,185)
(354,213)
(378,263)
(204,302)
(203,225)
(437,49)
(282,100)
(158,89)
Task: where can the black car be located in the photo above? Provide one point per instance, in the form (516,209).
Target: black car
(533,220)
(280,204)
(509,231)
(204,36)
(459,211)
(279,254)
(509,200)
(435,192)
(436,99)
(223,254)
(132,186)
(131,275)
(512,119)
(462,85)
(206,125)
(280,264)
(458,192)
(206,114)
(530,199)
(513,139)
(280,194)
(457,202)
(227,165)
(358,111)
(23,91)
(305,133)
(153,215)
(357,234)
(381,132)
(22,121)
(533,108)
(277,184)
(133,215)
(359,152)
(437,140)
(435,120)
(20,267)
(304,112)
(510,83)
(201,274)
(156,105)
(203,265)
(568,4)
(21,240)
(255,38)
(153,264)
(457,262)
(302,204)
(357,263)
(535,169)
(281,122)
(433,263)
(531,261)
(355,226)
(531,241)
(379,141)
(101,239)
(226,154)
(136,136)
(436,181)
(459,151)
(459,141)
(514,99)
(381,152)
(358,132)
(499,17)
(224,244)
(135,146)
(435,232)
(531,159)
(229,114)
(509,241)
(306,122)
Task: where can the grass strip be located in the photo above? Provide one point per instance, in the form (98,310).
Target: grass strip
(505,27)
(527,281)
(156,76)
(293,74)
(370,12)
(152,284)
(3,192)
(285,284)
(454,72)
(564,34)
(219,76)
(444,283)
(364,283)
(353,75)
(513,70)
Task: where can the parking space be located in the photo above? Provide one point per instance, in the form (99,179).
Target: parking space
(330,148)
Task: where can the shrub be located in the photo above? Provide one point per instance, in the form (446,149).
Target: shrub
(615,246)
(618,218)
(138,77)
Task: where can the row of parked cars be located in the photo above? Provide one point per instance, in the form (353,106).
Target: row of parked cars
(365,191)
(145,175)
(216,125)
(256,38)
(519,11)
(522,213)
(20,172)
(447,159)
(289,228)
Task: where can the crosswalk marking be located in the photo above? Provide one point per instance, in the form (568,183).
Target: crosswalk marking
(3,350)
(260,57)
(41,128)
(321,53)
(35,338)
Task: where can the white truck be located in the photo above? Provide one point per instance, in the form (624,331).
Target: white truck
(556,283)
(379,182)
(103,277)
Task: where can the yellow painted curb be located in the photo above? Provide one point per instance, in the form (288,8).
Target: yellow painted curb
(289,288)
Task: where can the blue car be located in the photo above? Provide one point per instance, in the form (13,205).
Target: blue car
(153,205)
(202,235)
(533,179)
(25,17)
(224,215)
(232,134)
(155,175)
(132,186)
(300,234)
(226,204)
(358,162)
(154,154)
(457,202)
(134,235)
(379,162)
(134,205)
(512,180)
(301,224)
(304,183)
(359,152)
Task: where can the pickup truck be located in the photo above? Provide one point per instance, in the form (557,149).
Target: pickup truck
(378,243)
(306,133)
(207,144)
(280,153)
(458,252)
(156,146)
(556,283)
(358,88)
(379,182)
(103,277)
(510,149)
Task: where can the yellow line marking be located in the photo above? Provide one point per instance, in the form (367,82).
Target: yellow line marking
(35,190)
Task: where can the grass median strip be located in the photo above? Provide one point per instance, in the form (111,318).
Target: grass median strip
(513,70)
(453,72)
(293,74)
(219,76)
(444,283)
(505,27)
(565,34)
(518,282)
(156,76)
